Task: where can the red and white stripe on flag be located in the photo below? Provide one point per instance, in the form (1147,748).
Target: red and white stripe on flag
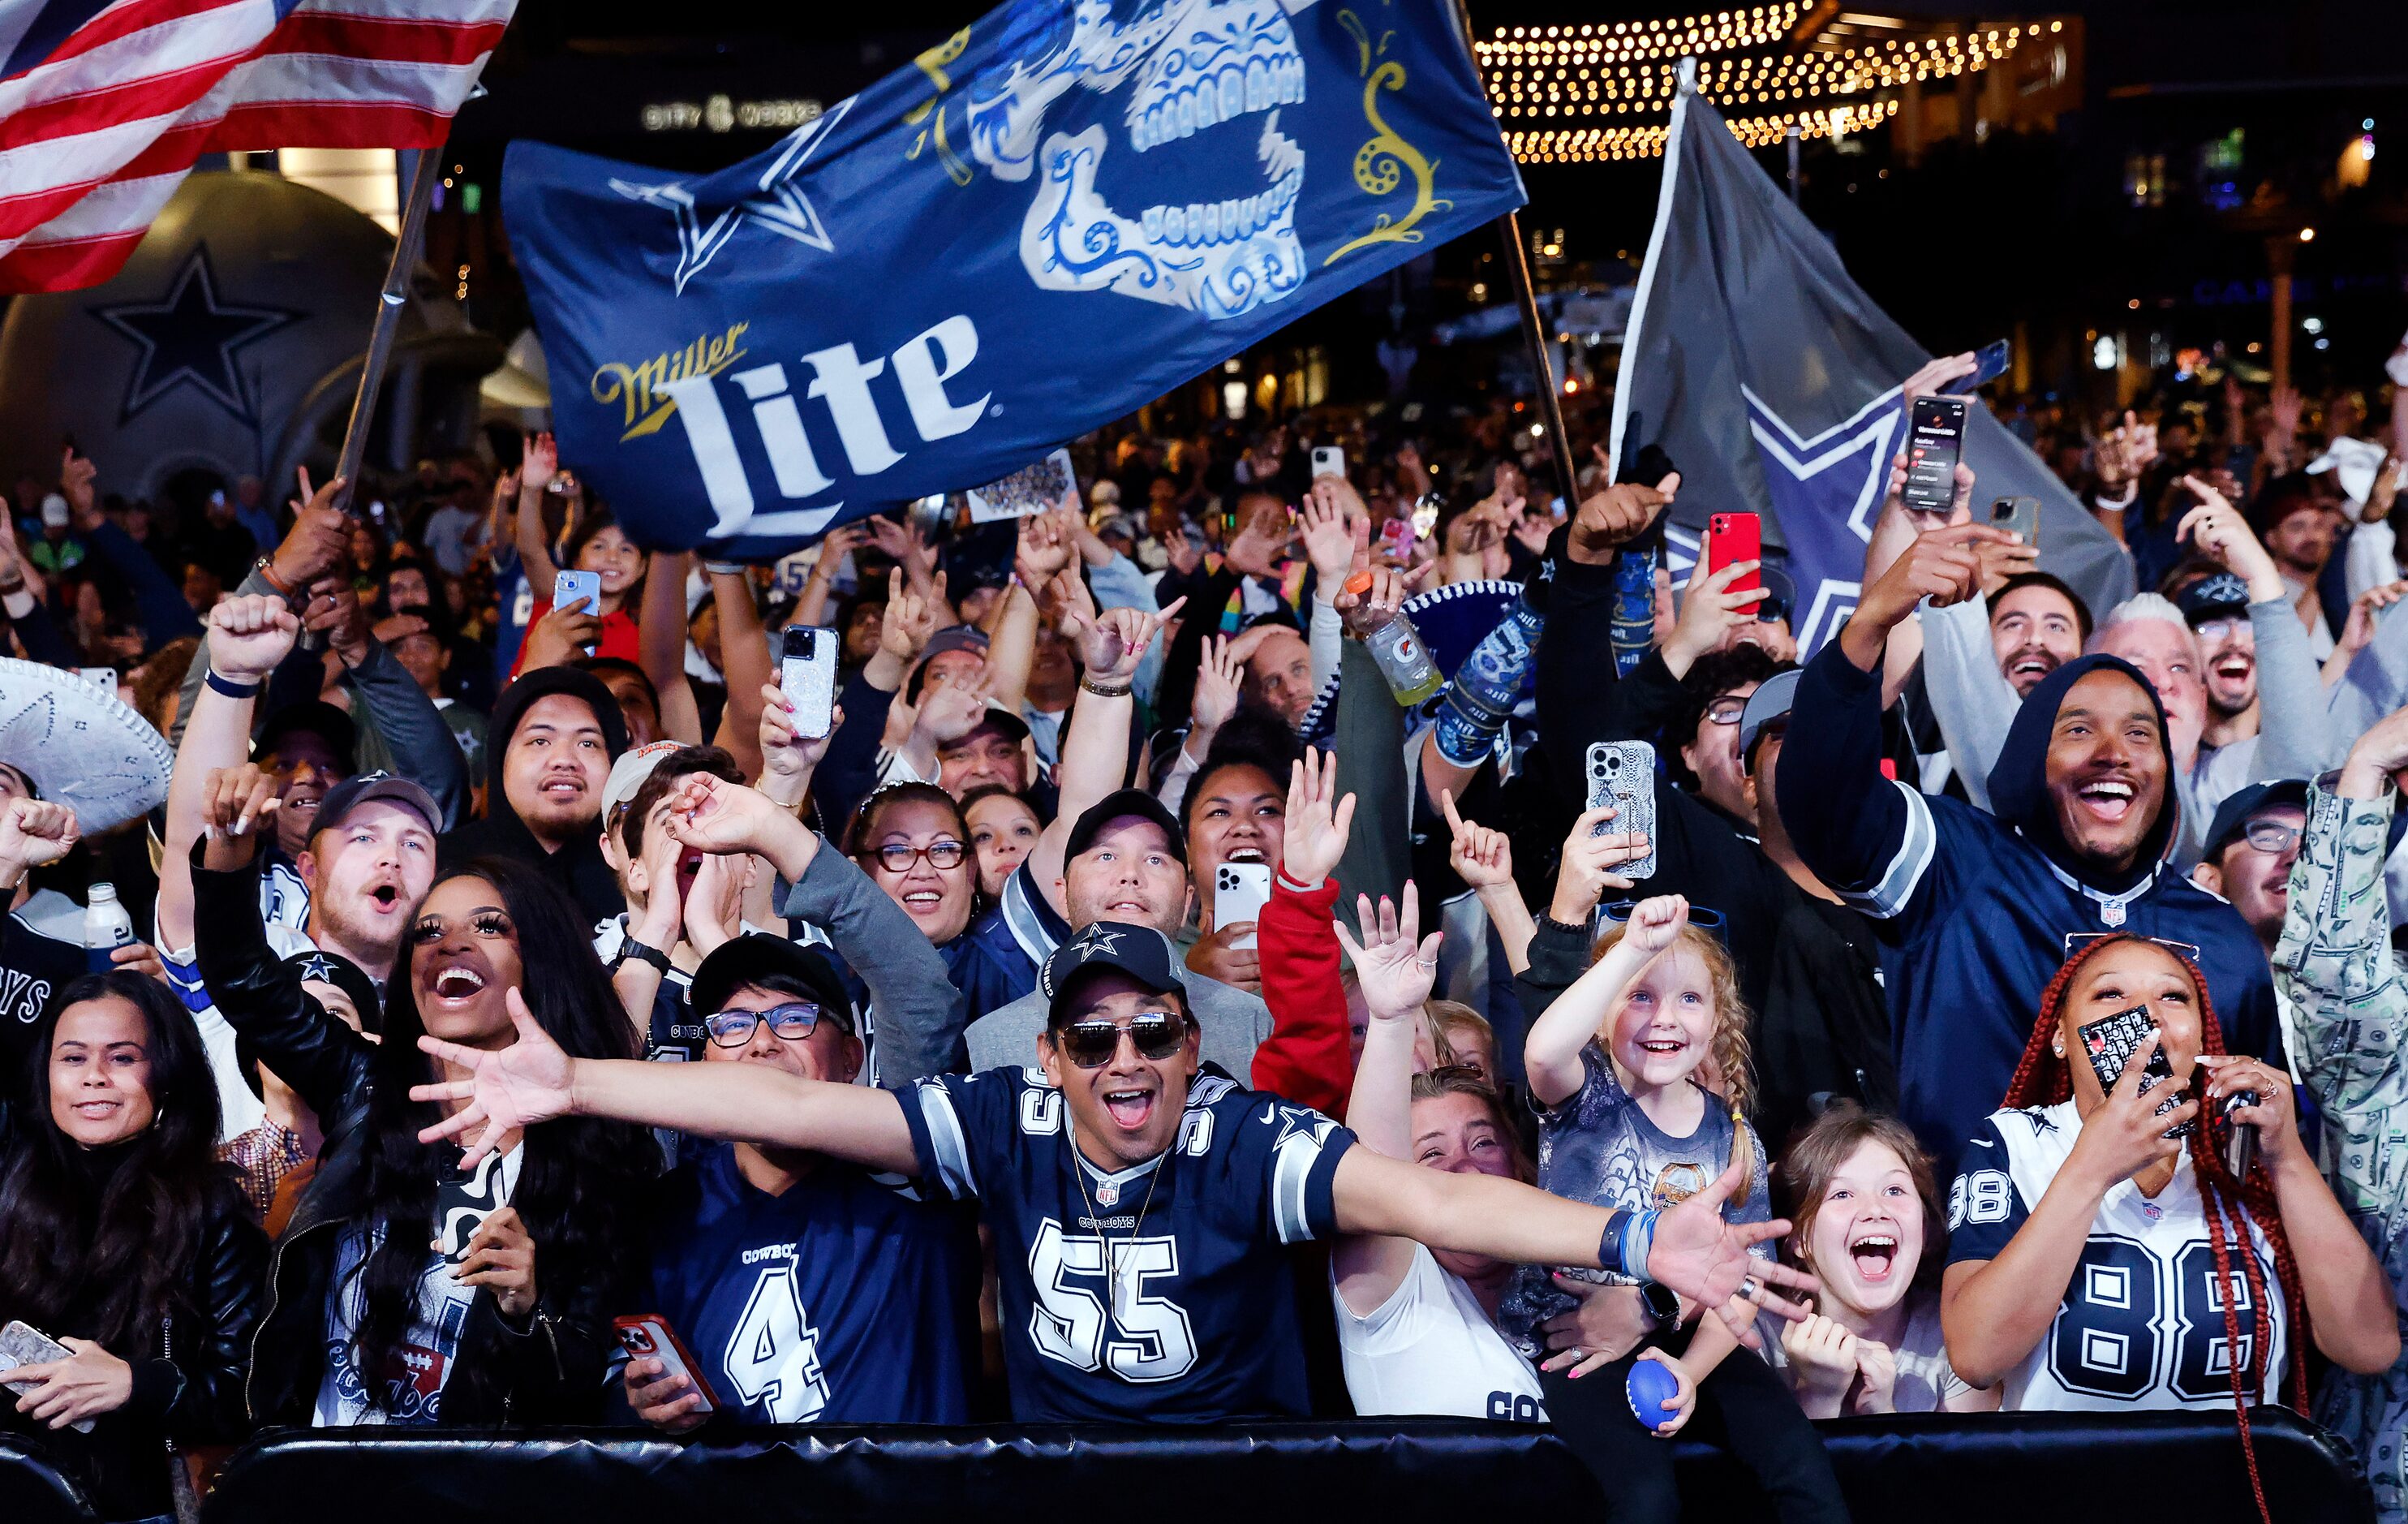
(96,136)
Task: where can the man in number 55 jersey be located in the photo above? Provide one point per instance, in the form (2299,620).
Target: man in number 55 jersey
(1147,1295)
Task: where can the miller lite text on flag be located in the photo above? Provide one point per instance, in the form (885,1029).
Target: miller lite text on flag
(1062,212)
(105,104)
(1772,382)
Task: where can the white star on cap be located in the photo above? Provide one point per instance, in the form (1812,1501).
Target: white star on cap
(1098,943)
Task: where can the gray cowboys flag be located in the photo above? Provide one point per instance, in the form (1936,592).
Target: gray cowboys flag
(1772,382)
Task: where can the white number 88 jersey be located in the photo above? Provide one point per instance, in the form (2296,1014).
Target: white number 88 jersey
(2142,1323)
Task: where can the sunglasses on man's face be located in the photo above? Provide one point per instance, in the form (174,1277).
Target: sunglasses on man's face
(1091,1043)
(733,1028)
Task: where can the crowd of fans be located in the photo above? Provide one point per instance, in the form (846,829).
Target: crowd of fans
(510,964)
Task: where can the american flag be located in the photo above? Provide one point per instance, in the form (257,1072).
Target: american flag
(105,104)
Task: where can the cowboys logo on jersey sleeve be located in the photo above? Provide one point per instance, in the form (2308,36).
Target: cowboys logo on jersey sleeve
(1157,1294)
(2142,1323)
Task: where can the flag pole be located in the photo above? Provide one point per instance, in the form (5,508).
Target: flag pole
(1525,301)
(406,247)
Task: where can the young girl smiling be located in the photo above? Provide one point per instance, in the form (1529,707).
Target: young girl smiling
(1643,1069)
(1871,1227)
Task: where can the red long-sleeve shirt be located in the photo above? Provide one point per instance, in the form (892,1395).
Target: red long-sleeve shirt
(1308,1057)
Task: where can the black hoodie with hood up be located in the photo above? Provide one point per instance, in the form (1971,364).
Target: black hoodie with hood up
(577,868)
(1975,910)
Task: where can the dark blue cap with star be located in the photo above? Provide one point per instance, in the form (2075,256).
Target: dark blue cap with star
(1138,953)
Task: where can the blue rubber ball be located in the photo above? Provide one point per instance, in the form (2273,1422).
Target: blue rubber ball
(1650,1387)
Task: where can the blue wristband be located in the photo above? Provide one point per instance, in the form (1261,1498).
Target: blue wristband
(1608,1243)
(1638,1240)
(231,689)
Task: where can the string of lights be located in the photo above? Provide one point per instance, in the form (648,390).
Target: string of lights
(1588,145)
(1574,75)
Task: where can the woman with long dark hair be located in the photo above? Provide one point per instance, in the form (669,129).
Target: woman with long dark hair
(2104,1253)
(125,1240)
(401,1292)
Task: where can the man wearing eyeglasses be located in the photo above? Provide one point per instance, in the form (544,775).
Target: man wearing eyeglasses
(806,1289)
(1139,1205)
(2251,844)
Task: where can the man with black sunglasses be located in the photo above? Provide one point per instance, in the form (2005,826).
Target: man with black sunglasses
(1139,1206)
(808,1290)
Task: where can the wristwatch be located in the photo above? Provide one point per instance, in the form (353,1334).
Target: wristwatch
(1662,1302)
(643,952)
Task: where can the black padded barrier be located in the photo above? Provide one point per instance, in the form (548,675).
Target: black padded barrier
(31,1490)
(2026,1469)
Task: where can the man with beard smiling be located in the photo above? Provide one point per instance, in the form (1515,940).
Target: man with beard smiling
(1139,1206)
(555,731)
(1978,910)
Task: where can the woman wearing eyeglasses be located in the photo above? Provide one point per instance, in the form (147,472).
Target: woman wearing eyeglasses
(911,841)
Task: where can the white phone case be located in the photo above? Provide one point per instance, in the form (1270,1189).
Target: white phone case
(810,683)
(1622,773)
(1239,892)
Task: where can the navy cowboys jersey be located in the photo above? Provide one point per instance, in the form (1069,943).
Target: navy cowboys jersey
(2142,1325)
(846,1300)
(1196,1320)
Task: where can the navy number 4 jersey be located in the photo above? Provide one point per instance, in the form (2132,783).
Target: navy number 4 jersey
(842,1300)
(1195,1320)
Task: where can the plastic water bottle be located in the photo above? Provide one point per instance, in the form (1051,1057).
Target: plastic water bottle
(1487,687)
(107,927)
(1631,630)
(1398,648)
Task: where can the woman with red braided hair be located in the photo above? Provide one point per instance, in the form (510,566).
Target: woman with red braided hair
(2096,1262)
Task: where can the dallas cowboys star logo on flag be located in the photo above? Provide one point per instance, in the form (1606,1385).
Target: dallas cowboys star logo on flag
(781,207)
(1835,479)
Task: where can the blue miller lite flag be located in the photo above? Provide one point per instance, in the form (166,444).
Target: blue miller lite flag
(1062,212)
(1774,383)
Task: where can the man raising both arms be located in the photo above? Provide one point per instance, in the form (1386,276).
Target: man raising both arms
(1138,1207)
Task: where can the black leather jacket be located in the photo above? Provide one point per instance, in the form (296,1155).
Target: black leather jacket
(188,1373)
(550,1369)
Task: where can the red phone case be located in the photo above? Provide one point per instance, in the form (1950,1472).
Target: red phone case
(1735,537)
(636,1338)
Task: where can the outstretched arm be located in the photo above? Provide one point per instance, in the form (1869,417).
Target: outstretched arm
(1695,1252)
(532,1081)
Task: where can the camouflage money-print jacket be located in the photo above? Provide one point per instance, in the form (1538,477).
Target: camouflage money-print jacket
(2348,1002)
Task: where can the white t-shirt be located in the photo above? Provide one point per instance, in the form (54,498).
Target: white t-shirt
(2141,1325)
(413,1387)
(1430,1350)
(1924,1379)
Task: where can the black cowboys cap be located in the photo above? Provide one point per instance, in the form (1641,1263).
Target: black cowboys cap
(351,793)
(311,717)
(1121,806)
(756,956)
(1134,951)
(326,968)
(2217,597)
(2241,803)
